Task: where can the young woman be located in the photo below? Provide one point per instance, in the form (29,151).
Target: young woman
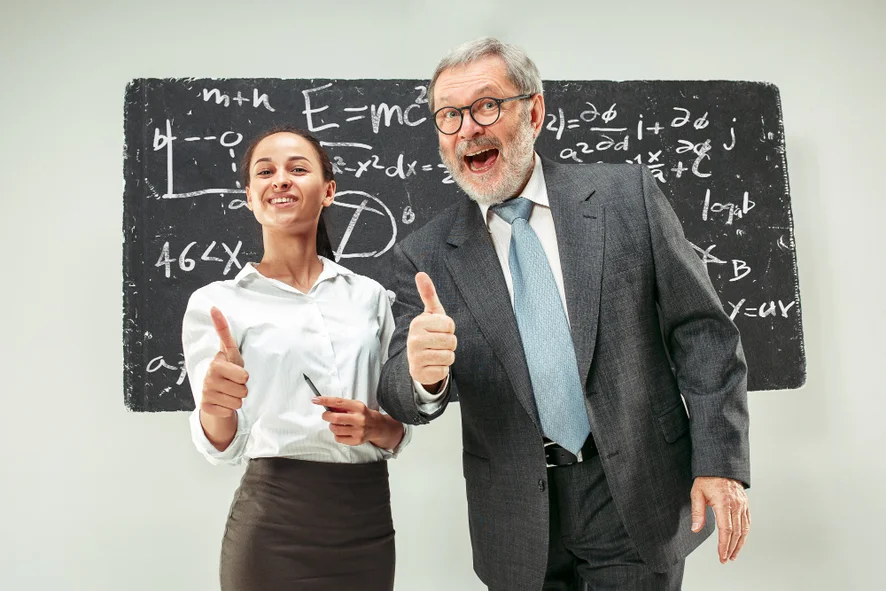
(313,510)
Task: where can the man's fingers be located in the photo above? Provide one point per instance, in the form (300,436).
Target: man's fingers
(698,509)
(736,515)
(725,530)
(745,529)
(738,534)
(434,358)
(428,294)
(425,324)
(442,341)
(223,330)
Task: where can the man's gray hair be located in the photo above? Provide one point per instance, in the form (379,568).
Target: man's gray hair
(520,69)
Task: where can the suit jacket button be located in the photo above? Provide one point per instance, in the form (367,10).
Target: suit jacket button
(541,485)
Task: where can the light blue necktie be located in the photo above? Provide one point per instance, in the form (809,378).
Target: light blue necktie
(547,342)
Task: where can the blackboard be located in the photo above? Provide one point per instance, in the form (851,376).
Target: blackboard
(716,148)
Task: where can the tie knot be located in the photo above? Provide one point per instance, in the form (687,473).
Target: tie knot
(512,209)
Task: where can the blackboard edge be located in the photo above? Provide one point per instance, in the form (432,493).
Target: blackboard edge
(133,127)
(793,244)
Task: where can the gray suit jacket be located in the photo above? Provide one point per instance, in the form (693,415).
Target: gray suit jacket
(647,326)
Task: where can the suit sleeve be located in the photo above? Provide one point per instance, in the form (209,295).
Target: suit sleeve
(395,390)
(704,345)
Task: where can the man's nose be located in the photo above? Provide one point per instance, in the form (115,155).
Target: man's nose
(469,127)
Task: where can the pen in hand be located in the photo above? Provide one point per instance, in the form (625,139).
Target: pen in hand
(317,393)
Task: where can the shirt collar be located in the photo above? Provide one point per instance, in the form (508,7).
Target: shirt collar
(330,270)
(535,190)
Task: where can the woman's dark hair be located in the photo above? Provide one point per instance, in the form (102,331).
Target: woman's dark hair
(324,246)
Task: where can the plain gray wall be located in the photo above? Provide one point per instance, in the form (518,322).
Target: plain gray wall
(95,497)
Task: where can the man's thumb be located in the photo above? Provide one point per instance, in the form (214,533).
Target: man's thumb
(698,509)
(428,294)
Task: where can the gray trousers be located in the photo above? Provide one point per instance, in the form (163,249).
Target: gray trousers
(589,547)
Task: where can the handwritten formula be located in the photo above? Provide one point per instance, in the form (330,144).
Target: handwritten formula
(716,150)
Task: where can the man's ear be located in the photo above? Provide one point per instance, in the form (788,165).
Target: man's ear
(537,112)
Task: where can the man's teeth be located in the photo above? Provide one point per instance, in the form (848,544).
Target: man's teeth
(282,200)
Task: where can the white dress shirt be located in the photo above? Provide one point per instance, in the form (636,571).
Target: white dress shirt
(337,334)
(542,223)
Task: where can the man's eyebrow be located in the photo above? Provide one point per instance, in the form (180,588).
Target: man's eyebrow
(481,92)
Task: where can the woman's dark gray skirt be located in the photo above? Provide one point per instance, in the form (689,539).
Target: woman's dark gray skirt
(309,526)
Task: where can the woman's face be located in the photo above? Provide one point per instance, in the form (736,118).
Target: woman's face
(286,187)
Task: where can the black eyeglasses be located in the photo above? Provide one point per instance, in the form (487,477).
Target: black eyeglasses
(484,111)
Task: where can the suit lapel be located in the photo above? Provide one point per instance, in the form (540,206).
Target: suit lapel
(478,276)
(578,221)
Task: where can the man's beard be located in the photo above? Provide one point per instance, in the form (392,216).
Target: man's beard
(517,166)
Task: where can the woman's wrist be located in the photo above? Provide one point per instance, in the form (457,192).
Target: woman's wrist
(220,431)
(390,432)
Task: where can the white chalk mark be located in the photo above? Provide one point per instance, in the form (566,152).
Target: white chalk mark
(386,111)
(169,157)
(263,99)
(205,256)
(201,192)
(732,145)
(308,112)
(238,137)
(737,267)
(232,256)
(157,363)
(359,209)
(354,206)
(346,144)
(735,308)
(219,97)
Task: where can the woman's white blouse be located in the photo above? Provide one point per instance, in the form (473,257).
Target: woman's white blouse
(337,334)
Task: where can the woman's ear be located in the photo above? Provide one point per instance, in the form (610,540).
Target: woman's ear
(248,198)
(329,197)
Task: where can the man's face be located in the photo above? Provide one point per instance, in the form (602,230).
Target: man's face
(492,163)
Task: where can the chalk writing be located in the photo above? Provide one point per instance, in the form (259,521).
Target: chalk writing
(716,149)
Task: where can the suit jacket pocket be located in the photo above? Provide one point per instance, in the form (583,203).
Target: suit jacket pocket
(625,264)
(674,423)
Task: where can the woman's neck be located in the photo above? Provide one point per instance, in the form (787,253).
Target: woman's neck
(291,259)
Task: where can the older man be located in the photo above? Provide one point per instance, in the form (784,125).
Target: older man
(581,315)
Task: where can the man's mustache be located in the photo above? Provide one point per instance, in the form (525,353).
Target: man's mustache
(473,145)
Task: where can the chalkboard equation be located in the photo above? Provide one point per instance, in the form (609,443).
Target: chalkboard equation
(716,149)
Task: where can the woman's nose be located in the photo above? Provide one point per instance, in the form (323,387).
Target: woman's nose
(281,180)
